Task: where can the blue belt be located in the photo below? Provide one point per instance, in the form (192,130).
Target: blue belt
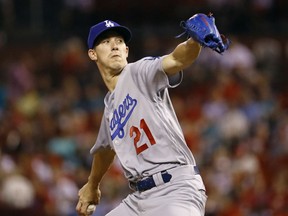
(149,182)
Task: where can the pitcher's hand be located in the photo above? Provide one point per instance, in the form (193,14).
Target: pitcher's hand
(89,197)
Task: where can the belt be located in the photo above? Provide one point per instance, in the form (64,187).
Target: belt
(156,180)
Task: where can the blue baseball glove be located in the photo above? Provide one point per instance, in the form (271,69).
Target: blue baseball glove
(202,28)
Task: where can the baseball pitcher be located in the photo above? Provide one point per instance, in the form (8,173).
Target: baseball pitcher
(139,124)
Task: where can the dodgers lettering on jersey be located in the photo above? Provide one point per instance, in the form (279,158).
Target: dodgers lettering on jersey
(121,115)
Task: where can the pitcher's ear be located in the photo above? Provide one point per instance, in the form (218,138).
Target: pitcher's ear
(127,51)
(92,54)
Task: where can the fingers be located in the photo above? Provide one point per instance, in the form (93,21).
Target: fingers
(78,207)
(82,209)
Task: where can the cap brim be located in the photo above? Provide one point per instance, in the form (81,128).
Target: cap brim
(123,31)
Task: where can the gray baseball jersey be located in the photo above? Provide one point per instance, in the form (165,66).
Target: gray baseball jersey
(139,122)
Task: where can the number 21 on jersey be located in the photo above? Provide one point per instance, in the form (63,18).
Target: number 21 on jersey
(143,129)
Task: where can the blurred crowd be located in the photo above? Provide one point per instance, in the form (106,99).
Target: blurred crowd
(232,108)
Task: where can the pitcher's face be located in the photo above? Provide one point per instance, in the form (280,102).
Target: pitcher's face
(111,52)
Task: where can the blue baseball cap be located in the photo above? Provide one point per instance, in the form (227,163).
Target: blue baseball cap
(98,29)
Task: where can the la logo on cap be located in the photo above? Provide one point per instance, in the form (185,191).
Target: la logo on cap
(103,26)
(108,23)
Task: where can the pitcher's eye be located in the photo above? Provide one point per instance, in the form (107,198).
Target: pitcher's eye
(105,41)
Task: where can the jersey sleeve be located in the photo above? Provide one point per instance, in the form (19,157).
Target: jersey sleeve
(175,80)
(103,138)
(150,77)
